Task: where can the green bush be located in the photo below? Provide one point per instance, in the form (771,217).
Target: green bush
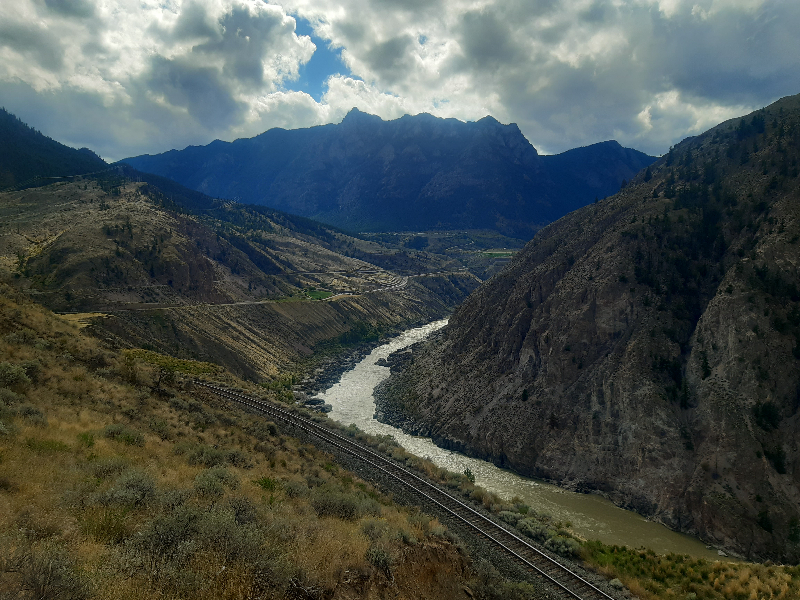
(21,337)
(207,456)
(132,488)
(9,398)
(46,446)
(219,532)
(244,511)
(111,525)
(564,546)
(211,483)
(374,529)
(32,414)
(379,557)
(295,489)
(126,435)
(331,501)
(164,543)
(13,377)
(512,518)
(268,484)
(535,529)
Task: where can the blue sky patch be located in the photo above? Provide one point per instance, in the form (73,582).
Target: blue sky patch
(324,63)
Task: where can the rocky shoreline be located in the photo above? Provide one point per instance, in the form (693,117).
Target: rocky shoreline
(388,392)
(329,370)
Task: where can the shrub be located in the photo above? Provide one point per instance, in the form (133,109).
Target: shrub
(46,446)
(13,377)
(163,542)
(777,456)
(374,529)
(32,368)
(32,414)
(564,546)
(208,456)
(109,524)
(244,511)
(268,484)
(767,415)
(86,439)
(380,558)
(9,398)
(132,488)
(295,488)
(50,573)
(535,529)
(161,428)
(263,431)
(106,467)
(330,501)
(219,532)
(126,435)
(512,518)
(21,337)
(211,483)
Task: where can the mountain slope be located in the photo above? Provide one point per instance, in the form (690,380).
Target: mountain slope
(25,154)
(647,346)
(233,284)
(410,174)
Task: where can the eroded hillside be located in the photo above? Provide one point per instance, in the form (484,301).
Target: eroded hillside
(246,287)
(647,346)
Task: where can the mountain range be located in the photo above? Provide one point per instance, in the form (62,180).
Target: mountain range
(415,173)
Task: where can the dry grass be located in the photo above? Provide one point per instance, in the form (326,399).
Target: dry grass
(97,471)
(652,577)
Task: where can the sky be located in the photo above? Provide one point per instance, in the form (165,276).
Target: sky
(128,77)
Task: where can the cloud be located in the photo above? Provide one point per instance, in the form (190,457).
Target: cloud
(147,75)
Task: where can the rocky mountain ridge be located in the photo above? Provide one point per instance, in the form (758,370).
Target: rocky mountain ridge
(415,173)
(26,154)
(645,347)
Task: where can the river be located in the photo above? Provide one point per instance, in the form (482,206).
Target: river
(592,516)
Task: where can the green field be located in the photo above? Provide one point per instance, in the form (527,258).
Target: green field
(316,294)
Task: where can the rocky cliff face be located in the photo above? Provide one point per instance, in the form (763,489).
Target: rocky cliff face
(413,173)
(647,346)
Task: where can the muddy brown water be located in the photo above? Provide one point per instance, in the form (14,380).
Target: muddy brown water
(591,516)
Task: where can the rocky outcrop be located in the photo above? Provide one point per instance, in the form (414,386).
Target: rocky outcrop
(646,347)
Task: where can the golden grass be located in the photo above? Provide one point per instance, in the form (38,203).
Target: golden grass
(63,480)
(653,577)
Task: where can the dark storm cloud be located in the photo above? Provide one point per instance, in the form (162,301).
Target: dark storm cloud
(486,39)
(71,8)
(200,90)
(247,39)
(35,43)
(733,57)
(391,59)
(410,5)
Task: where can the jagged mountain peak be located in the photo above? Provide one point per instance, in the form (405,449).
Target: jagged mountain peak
(417,172)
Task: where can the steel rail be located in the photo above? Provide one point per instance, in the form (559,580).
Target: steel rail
(354,448)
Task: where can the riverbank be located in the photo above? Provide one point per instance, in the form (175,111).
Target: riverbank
(648,574)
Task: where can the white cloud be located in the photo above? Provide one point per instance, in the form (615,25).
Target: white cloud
(147,75)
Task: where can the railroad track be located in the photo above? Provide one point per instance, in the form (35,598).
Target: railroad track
(552,571)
